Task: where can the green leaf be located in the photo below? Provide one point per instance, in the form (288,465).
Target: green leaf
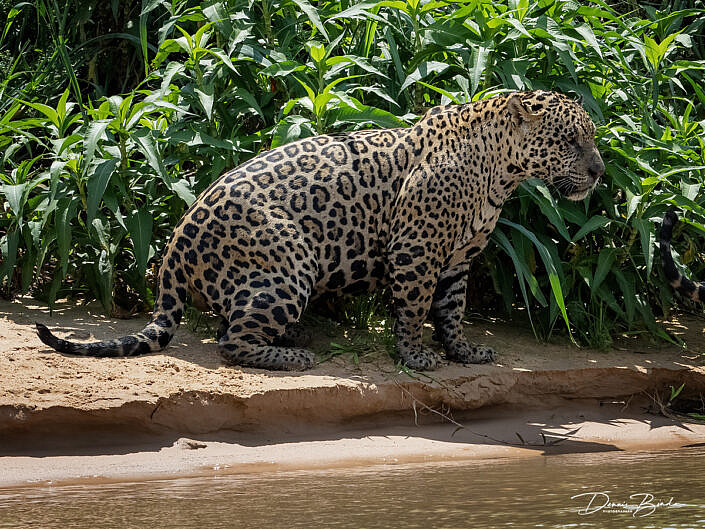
(366,114)
(97,182)
(553,278)
(150,5)
(317,51)
(522,273)
(139,226)
(49,112)
(542,196)
(450,96)
(479,62)
(595,222)
(357,61)
(604,263)
(8,250)
(95,130)
(102,231)
(16,10)
(628,293)
(292,128)
(205,96)
(589,37)
(183,191)
(248,98)
(283,69)
(312,14)
(648,238)
(422,71)
(354,11)
(143,36)
(146,145)
(15,196)
(63,216)
(104,272)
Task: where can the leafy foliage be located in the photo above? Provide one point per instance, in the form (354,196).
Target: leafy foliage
(95,173)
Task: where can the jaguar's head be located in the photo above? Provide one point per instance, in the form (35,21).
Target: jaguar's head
(555,141)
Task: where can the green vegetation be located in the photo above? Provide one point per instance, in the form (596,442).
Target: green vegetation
(115,115)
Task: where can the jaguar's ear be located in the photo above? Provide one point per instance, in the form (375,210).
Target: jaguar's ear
(519,112)
(579,101)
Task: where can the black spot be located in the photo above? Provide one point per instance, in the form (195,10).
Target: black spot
(167,302)
(336,280)
(191,257)
(269,331)
(181,292)
(279,315)
(259,317)
(164,338)
(262,301)
(359,269)
(282,293)
(142,349)
(403,259)
(163,321)
(190,230)
(200,215)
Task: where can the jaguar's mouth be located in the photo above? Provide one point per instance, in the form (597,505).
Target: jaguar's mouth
(578,195)
(574,188)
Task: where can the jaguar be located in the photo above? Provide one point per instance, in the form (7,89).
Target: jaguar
(401,209)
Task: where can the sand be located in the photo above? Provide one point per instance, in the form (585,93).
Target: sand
(182,411)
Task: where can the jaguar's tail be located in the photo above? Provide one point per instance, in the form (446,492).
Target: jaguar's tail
(168,309)
(693,290)
(152,338)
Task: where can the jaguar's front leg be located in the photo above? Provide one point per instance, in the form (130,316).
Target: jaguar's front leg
(412,294)
(447,310)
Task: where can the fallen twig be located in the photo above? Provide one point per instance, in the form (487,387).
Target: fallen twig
(546,440)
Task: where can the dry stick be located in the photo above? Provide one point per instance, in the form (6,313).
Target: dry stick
(445,416)
(664,410)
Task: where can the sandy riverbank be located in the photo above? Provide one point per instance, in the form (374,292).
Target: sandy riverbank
(183,411)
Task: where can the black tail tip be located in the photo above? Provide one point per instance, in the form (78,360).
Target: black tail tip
(45,335)
(670,217)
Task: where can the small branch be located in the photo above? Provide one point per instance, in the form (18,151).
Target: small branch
(415,401)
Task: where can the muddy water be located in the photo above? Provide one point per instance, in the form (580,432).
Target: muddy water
(535,492)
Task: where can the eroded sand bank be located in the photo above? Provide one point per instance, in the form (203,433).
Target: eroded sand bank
(183,411)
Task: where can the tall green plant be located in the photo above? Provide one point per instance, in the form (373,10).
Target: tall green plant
(94,182)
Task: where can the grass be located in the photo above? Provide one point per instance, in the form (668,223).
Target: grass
(358,343)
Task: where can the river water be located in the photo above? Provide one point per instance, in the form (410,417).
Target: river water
(533,492)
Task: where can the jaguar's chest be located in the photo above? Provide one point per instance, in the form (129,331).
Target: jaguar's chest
(476,231)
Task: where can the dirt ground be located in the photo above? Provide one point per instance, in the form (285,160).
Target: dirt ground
(63,406)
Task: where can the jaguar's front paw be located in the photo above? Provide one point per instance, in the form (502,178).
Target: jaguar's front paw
(465,353)
(421,359)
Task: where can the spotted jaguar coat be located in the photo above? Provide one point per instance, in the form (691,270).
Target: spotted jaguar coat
(337,214)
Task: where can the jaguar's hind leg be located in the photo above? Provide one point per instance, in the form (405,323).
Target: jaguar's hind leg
(263,309)
(254,351)
(295,335)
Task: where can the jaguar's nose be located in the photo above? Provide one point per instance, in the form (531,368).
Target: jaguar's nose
(596,169)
